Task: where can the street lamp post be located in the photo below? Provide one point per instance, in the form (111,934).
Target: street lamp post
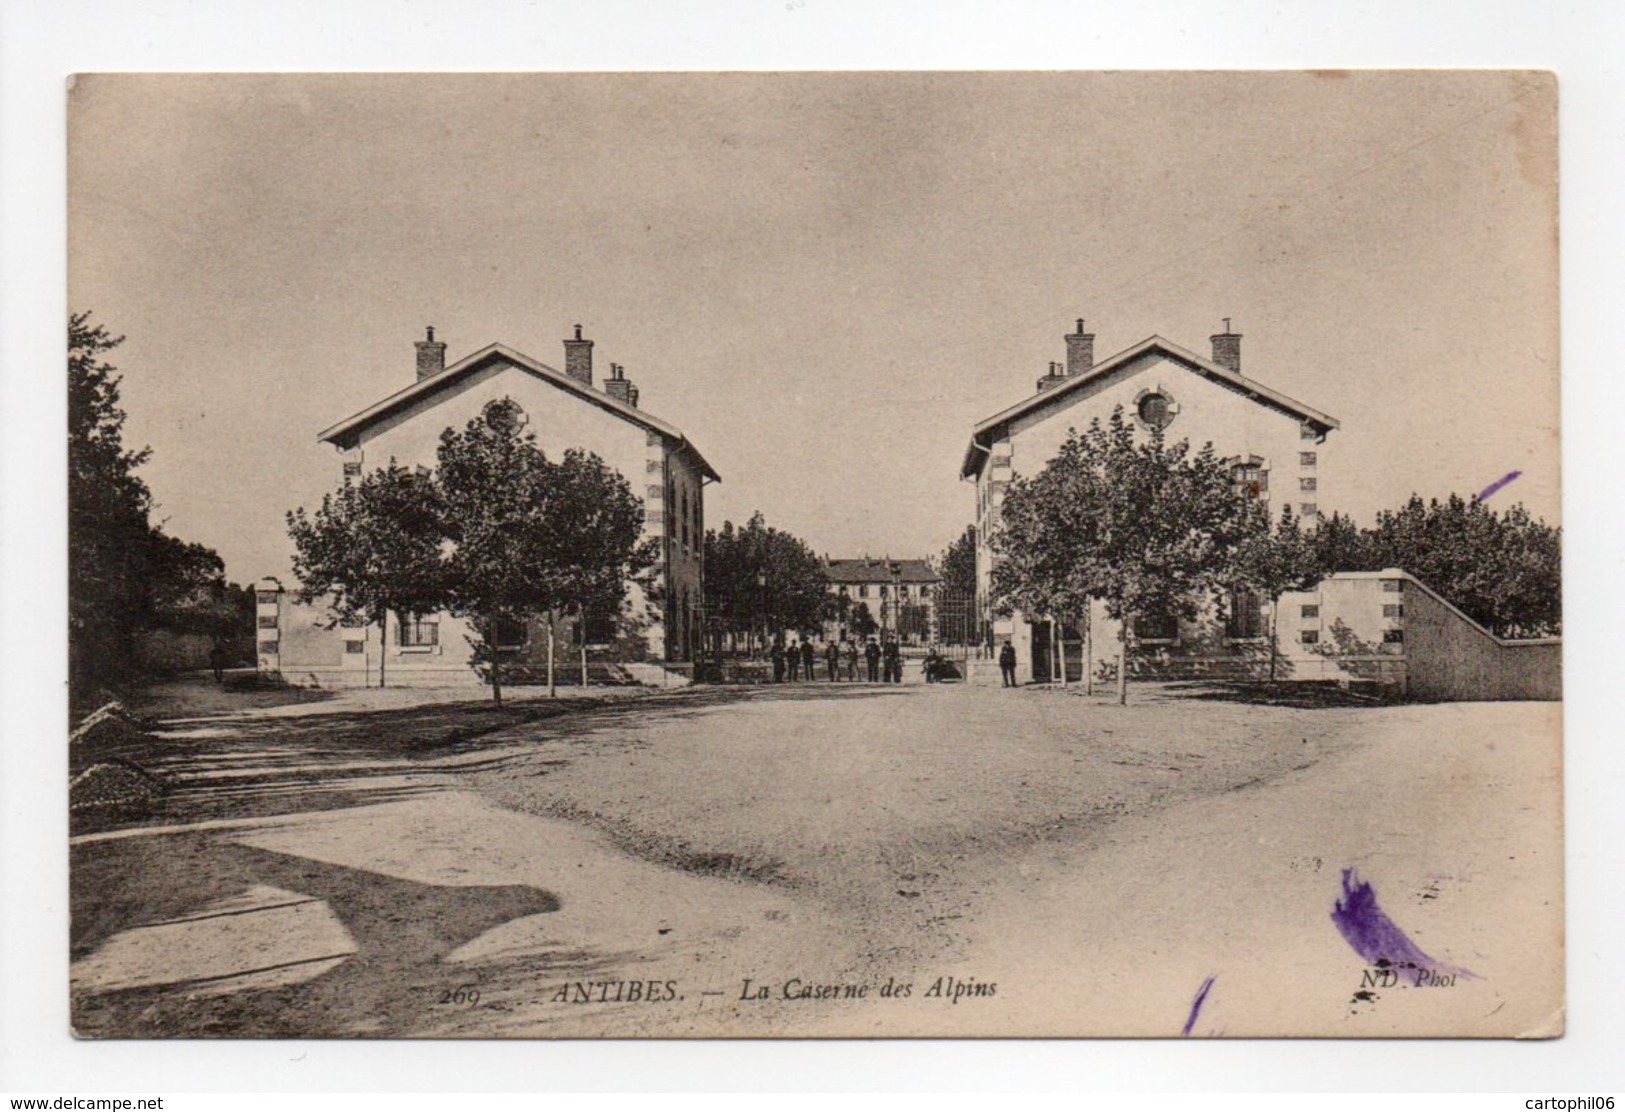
(897,604)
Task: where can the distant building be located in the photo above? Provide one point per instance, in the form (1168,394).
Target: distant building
(901,596)
(564,409)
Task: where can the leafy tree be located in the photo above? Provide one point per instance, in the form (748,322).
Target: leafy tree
(762,577)
(108,504)
(957,607)
(1270,562)
(863,622)
(1338,544)
(1144,526)
(528,535)
(1502,570)
(914,620)
(373,549)
(124,574)
(958,564)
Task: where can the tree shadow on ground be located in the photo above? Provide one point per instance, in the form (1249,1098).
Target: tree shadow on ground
(402,929)
(1300,695)
(234,768)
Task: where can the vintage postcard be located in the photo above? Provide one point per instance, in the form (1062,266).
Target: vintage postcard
(815,555)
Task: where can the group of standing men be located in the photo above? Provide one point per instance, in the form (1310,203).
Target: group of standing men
(884,664)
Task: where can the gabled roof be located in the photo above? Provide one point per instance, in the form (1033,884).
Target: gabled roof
(347,432)
(866,570)
(986,432)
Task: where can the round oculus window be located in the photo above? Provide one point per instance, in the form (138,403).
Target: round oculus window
(1153,410)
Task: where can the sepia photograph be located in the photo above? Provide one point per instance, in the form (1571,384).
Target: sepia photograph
(814,555)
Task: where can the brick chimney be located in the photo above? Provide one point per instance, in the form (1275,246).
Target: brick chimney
(620,387)
(1227,348)
(1080,351)
(1057,375)
(578,358)
(431,356)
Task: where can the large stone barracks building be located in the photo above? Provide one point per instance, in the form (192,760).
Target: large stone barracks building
(565,409)
(1381,626)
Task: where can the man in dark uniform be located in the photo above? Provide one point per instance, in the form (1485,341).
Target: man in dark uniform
(808,655)
(1007,664)
(778,660)
(871,654)
(792,660)
(832,657)
(894,662)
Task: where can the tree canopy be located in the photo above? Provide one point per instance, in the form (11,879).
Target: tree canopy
(373,548)
(1503,570)
(498,533)
(958,565)
(760,577)
(125,575)
(1144,526)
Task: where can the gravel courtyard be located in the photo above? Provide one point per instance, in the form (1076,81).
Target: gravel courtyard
(787,860)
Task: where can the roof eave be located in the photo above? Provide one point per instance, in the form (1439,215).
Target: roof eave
(1257,390)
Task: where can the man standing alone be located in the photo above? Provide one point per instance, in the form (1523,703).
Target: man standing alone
(807,657)
(832,657)
(792,659)
(1007,664)
(871,654)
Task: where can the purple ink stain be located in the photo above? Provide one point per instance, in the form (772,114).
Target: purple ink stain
(1196,1005)
(1498,484)
(1377,938)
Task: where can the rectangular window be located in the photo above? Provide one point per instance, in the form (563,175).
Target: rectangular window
(1250,480)
(597,629)
(355,646)
(863,590)
(268,648)
(510,633)
(265,598)
(419,633)
(1393,610)
(1309,636)
(884,590)
(1245,617)
(1308,509)
(1156,627)
(1393,585)
(1393,636)
(267,621)
(1311,610)
(1306,459)
(1306,484)
(351,469)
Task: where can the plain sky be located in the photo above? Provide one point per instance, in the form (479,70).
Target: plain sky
(825,280)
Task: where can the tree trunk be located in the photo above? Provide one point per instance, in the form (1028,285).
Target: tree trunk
(1122,660)
(383,645)
(1088,650)
(1060,649)
(552,690)
(496,661)
(1275,609)
(581,628)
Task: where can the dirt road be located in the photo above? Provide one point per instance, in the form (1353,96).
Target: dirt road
(784,862)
